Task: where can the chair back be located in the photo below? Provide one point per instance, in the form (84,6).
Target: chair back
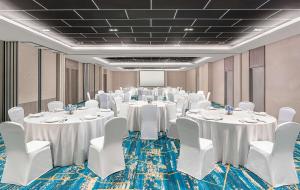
(88,95)
(113,105)
(248,106)
(124,110)
(104,101)
(188,131)
(202,105)
(52,106)
(127,97)
(170,96)
(16,114)
(91,104)
(285,138)
(100,91)
(171,111)
(115,130)
(13,136)
(149,113)
(286,114)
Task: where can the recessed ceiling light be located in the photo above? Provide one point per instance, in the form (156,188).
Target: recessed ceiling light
(113,30)
(188,29)
(257,30)
(45,30)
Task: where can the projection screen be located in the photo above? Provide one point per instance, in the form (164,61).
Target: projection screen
(152,78)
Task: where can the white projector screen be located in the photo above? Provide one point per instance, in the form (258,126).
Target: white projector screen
(152,78)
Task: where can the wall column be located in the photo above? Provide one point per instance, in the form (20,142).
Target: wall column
(61,66)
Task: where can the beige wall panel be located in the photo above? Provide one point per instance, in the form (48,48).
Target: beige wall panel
(282,76)
(27,74)
(176,78)
(203,78)
(190,83)
(218,81)
(245,76)
(237,79)
(123,79)
(48,75)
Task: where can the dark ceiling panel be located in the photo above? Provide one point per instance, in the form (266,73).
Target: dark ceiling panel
(66,4)
(140,14)
(180,39)
(249,14)
(106,29)
(227,29)
(172,22)
(204,35)
(214,22)
(178,4)
(150,29)
(150,39)
(76,30)
(122,4)
(107,35)
(167,34)
(263,23)
(232,35)
(203,14)
(71,35)
(18,5)
(134,35)
(103,14)
(286,14)
(129,22)
(82,39)
(280,4)
(212,39)
(235,4)
(46,23)
(195,29)
(87,22)
(48,14)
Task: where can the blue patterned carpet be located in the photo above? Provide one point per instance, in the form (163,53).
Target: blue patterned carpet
(149,165)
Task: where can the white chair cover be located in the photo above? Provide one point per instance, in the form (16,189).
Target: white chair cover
(273,162)
(127,97)
(201,105)
(24,162)
(286,114)
(170,96)
(106,154)
(16,114)
(54,105)
(172,116)
(249,106)
(196,156)
(92,104)
(149,126)
(100,92)
(88,96)
(104,101)
(113,106)
(124,110)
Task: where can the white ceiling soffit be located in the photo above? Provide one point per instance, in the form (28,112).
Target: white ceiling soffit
(13,31)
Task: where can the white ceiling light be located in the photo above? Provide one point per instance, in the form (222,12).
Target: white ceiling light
(45,30)
(113,30)
(151,64)
(257,30)
(189,29)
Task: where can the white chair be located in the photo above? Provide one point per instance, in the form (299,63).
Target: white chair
(149,126)
(286,114)
(25,162)
(91,104)
(172,116)
(185,106)
(88,95)
(119,101)
(100,92)
(106,154)
(54,105)
(16,114)
(170,96)
(196,156)
(104,101)
(127,97)
(179,105)
(124,110)
(273,162)
(208,96)
(248,106)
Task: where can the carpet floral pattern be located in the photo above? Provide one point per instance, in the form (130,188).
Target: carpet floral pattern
(149,165)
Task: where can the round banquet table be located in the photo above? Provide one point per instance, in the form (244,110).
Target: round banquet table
(70,136)
(134,115)
(231,134)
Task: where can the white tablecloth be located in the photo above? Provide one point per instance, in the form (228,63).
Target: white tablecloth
(231,136)
(134,115)
(69,139)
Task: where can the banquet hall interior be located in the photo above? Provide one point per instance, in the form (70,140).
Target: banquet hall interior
(149,94)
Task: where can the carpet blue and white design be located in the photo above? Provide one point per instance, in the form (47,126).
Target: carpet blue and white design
(149,165)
